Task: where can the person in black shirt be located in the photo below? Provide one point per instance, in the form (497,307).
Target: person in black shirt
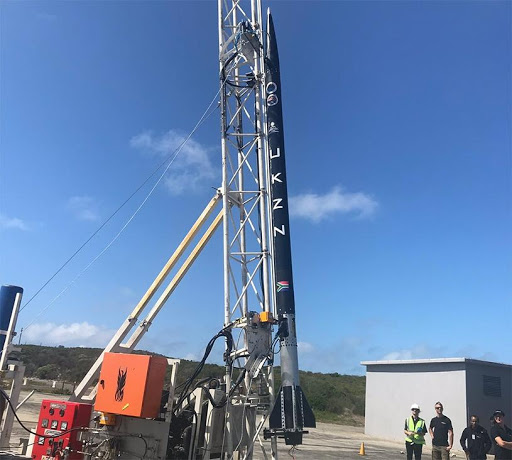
(475,441)
(441,431)
(501,435)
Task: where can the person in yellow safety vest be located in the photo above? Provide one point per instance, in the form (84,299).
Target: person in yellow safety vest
(415,430)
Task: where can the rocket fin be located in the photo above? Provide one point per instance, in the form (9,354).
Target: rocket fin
(281,416)
(275,416)
(309,420)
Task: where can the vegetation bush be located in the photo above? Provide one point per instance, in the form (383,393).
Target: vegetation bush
(334,398)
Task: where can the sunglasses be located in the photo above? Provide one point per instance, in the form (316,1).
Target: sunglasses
(439,408)
(417,410)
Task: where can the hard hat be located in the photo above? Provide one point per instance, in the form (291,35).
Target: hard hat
(415,406)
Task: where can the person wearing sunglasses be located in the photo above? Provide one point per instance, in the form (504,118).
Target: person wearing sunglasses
(441,431)
(415,430)
(475,441)
(501,434)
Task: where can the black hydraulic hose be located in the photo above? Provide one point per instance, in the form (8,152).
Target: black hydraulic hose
(229,339)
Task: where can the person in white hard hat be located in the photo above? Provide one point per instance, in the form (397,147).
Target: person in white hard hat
(415,430)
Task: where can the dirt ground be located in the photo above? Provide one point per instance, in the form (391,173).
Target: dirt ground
(343,442)
(324,442)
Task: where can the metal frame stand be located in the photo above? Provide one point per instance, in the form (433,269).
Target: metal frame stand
(245,220)
(15,371)
(116,344)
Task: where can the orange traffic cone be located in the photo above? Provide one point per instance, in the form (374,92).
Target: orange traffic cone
(361,450)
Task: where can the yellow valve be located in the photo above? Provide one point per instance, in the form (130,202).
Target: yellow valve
(266,317)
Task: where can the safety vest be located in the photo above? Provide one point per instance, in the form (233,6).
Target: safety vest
(418,437)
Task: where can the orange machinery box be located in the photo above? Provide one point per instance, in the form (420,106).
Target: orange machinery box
(131,385)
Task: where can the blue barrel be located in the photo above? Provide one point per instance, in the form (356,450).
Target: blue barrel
(7,297)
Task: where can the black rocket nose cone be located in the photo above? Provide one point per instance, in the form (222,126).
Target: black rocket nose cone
(272,53)
(270,22)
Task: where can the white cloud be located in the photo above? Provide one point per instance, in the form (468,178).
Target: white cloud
(143,141)
(318,207)
(127,291)
(346,353)
(75,334)
(305,347)
(12,223)
(416,352)
(84,208)
(192,357)
(470,351)
(190,169)
(343,356)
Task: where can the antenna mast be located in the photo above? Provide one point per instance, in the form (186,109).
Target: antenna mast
(245,225)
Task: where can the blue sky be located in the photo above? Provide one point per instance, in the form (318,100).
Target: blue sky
(398,136)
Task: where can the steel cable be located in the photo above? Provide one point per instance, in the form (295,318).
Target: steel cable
(169,159)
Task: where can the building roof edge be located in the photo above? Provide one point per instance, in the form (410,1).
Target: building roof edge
(431,361)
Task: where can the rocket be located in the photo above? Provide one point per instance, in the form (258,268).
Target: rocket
(291,412)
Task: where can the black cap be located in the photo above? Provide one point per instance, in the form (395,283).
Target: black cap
(498,412)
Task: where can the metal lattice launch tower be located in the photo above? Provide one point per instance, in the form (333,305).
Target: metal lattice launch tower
(255,206)
(247,302)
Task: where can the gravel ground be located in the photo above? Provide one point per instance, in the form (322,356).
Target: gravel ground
(343,442)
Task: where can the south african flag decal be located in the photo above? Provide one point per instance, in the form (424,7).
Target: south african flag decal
(283,286)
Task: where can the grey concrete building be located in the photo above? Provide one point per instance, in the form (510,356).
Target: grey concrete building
(464,386)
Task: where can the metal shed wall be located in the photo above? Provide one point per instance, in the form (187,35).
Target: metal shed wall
(392,386)
(482,404)
(391,389)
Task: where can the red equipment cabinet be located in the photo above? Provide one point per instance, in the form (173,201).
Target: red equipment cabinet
(56,417)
